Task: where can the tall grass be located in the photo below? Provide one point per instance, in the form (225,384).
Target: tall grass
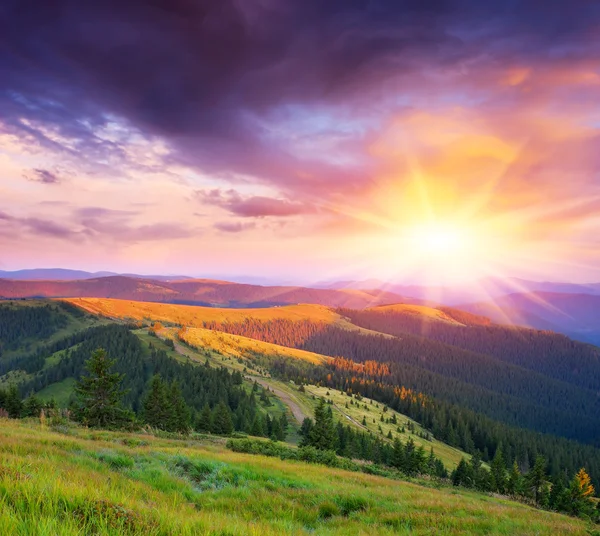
(110,483)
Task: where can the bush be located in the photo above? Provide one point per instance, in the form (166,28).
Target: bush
(305,454)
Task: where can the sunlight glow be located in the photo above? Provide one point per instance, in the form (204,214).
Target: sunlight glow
(439,240)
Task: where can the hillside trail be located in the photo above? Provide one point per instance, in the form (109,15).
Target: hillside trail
(341,410)
(286,398)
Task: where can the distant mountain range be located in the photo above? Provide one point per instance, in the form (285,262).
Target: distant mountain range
(62,274)
(569,308)
(575,315)
(196,292)
(482,290)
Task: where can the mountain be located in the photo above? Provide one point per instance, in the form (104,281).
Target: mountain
(193,291)
(62,274)
(41,274)
(483,290)
(575,315)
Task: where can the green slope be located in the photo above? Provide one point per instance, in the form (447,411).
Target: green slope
(115,483)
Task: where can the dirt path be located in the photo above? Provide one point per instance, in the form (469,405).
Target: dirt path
(341,410)
(286,398)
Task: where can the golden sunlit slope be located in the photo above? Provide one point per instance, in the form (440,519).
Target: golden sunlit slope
(236,345)
(195,315)
(446,315)
(429,313)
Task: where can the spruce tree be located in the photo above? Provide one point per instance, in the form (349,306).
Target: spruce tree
(283,425)
(536,479)
(221,420)
(203,422)
(398,460)
(32,406)
(305,431)
(98,402)
(13,403)
(323,435)
(498,472)
(180,412)
(156,409)
(514,484)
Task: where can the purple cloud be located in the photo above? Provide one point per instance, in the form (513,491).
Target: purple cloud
(253,206)
(234,227)
(42,175)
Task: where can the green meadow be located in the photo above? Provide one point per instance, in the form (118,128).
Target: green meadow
(68,480)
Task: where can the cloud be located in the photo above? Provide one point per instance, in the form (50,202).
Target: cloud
(253,206)
(234,227)
(43,175)
(225,83)
(94,223)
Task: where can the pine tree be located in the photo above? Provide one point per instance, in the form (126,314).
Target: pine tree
(536,479)
(99,395)
(32,406)
(180,412)
(398,460)
(323,436)
(514,484)
(203,422)
(257,428)
(283,425)
(463,474)
(221,420)
(13,403)
(275,430)
(498,472)
(305,431)
(157,409)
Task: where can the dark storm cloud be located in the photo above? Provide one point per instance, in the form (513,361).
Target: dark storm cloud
(207,74)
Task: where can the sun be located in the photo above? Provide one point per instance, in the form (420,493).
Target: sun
(440,239)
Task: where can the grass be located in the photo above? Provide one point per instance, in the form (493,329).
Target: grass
(371,411)
(239,347)
(59,391)
(110,483)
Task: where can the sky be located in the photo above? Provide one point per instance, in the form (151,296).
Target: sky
(304,140)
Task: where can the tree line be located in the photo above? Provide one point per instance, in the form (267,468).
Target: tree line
(550,353)
(203,388)
(21,321)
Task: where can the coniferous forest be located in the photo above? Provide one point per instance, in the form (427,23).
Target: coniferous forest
(492,409)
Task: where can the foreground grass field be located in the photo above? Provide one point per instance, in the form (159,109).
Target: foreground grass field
(81,482)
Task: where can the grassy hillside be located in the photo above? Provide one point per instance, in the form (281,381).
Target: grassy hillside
(238,346)
(193,315)
(197,316)
(373,411)
(81,482)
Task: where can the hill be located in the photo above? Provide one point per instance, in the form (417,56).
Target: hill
(575,315)
(82,482)
(193,291)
